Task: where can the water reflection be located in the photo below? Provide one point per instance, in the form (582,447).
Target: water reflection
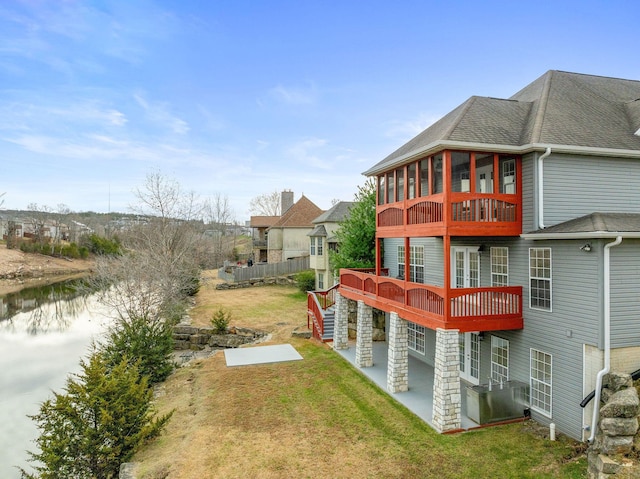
(50,308)
(40,345)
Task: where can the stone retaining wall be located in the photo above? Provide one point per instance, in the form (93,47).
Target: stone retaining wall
(193,338)
(282,280)
(617,428)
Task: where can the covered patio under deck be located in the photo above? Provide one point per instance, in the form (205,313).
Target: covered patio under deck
(419,398)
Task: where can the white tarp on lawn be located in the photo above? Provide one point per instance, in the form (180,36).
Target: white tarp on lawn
(261,355)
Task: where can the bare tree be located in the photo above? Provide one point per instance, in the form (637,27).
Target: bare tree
(266,204)
(39,215)
(220,223)
(163,259)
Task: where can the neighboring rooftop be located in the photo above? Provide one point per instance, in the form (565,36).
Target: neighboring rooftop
(336,213)
(300,215)
(263,221)
(559,108)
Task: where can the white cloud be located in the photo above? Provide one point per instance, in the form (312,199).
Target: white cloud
(406,129)
(159,113)
(294,96)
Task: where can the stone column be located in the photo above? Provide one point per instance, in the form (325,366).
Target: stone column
(340,326)
(447,398)
(398,356)
(364,340)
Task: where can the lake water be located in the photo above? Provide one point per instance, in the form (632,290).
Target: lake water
(42,339)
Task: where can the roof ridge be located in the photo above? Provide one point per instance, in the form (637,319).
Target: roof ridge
(542,107)
(454,124)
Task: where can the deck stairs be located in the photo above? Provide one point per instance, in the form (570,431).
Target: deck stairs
(328,322)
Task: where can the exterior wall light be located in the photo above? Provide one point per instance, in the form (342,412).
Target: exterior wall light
(586,247)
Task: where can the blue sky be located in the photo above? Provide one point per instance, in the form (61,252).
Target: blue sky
(240,98)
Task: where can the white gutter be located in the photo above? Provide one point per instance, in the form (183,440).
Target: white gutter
(580,235)
(440,145)
(607,334)
(541,187)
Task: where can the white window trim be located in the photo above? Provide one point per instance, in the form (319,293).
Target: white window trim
(545,413)
(414,331)
(550,279)
(494,340)
(312,250)
(506,275)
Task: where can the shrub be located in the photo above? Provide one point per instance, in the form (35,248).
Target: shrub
(142,341)
(306,280)
(102,246)
(220,320)
(99,422)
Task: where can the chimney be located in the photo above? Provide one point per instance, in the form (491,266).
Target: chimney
(286,201)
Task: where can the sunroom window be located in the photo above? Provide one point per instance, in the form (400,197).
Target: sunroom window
(460,171)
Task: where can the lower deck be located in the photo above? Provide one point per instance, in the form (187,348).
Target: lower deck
(419,398)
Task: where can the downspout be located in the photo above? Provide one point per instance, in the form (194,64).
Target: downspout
(607,333)
(541,187)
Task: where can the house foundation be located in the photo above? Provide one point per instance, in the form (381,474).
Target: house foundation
(341,324)
(364,340)
(447,398)
(398,355)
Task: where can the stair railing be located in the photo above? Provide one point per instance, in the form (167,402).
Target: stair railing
(317,303)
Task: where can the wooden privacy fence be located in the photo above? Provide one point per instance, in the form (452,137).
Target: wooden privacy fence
(237,274)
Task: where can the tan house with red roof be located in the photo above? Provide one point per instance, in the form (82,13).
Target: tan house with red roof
(287,237)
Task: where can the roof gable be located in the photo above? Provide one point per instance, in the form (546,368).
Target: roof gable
(300,215)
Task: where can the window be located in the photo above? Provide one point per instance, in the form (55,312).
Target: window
(460,171)
(381,190)
(507,175)
(484,173)
(499,359)
(424,177)
(390,183)
(540,386)
(411,181)
(320,246)
(499,266)
(313,246)
(416,337)
(540,278)
(321,281)
(437,185)
(416,263)
(400,184)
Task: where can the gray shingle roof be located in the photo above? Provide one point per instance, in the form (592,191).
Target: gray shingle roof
(594,223)
(335,214)
(319,230)
(559,108)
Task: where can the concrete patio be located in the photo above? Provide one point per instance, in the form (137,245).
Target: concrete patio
(419,398)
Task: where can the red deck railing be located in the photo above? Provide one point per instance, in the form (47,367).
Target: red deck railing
(466,309)
(485,214)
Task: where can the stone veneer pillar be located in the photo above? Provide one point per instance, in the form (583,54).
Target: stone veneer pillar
(398,355)
(447,398)
(364,339)
(341,324)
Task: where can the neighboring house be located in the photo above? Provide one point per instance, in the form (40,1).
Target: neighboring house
(287,237)
(508,250)
(259,226)
(322,240)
